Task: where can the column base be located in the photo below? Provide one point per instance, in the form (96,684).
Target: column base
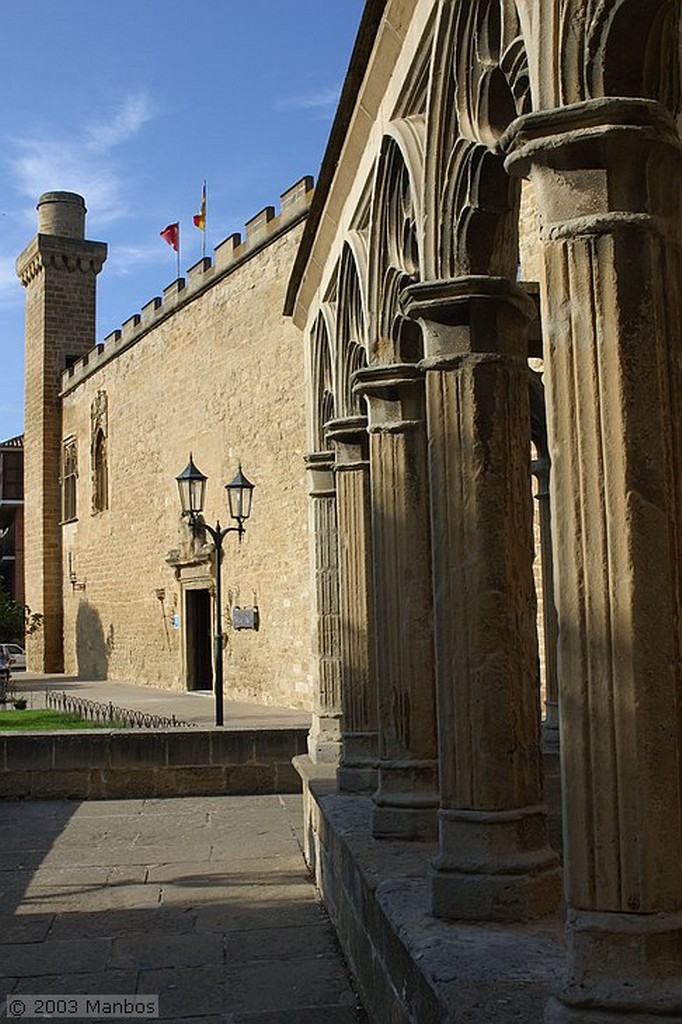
(494,866)
(324,739)
(357,778)
(358,769)
(550,737)
(412,823)
(620,966)
(557,1013)
(406,802)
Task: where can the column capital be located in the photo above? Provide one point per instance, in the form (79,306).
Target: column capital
(448,301)
(349,430)
(582,125)
(592,169)
(320,467)
(464,316)
(386,381)
(395,396)
(349,437)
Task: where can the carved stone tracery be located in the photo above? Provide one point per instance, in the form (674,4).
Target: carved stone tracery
(351,324)
(395,254)
(323,380)
(590,49)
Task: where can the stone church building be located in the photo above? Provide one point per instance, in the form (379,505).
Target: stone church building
(484,318)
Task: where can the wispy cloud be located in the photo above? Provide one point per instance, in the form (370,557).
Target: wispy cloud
(133,115)
(42,166)
(314,100)
(75,163)
(11,292)
(125,259)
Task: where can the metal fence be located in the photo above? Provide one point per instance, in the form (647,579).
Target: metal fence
(110,714)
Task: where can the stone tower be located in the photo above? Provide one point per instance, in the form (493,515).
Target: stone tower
(59,270)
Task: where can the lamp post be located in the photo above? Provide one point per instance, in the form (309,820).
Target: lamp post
(192,488)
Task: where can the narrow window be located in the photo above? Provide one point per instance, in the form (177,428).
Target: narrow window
(99,456)
(101,494)
(69,478)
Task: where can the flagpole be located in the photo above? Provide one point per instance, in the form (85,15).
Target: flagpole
(203,241)
(178,252)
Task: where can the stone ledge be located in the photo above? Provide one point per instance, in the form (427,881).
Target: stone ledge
(112,764)
(410,967)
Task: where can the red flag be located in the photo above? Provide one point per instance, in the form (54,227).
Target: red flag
(171,234)
(200,218)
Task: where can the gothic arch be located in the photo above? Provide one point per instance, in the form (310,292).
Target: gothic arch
(351,321)
(397,225)
(590,49)
(633,50)
(490,69)
(472,224)
(323,389)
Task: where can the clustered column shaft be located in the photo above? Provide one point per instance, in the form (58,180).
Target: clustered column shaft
(494,860)
(357,771)
(407,796)
(324,741)
(606,175)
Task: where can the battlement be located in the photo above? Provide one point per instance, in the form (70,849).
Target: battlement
(228,255)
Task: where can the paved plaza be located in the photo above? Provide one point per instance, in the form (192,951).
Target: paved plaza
(204,901)
(197,707)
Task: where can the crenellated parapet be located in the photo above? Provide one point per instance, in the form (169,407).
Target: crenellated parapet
(234,251)
(75,256)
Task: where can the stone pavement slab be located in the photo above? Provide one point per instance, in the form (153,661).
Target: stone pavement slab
(206,902)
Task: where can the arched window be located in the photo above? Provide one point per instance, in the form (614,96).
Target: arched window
(99,416)
(69,479)
(100,498)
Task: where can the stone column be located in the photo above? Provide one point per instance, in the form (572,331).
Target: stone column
(324,740)
(357,771)
(494,861)
(607,180)
(59,270)
(407,796)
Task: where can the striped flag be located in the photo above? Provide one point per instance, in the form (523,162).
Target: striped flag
(200,217)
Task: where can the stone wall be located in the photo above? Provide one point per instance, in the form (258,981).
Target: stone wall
(121,764)
(214,369)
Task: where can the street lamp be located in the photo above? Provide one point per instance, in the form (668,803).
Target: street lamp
(192,489)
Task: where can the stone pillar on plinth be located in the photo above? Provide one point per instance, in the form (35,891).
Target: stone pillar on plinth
(357,772)
(494,861)
(324,740)
(608,182)
(406,800)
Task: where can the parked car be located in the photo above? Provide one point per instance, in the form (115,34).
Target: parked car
(15,654)
(5,674)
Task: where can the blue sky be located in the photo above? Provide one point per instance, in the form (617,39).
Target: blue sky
(133,103)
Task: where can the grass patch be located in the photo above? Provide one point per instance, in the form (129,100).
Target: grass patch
(47,719)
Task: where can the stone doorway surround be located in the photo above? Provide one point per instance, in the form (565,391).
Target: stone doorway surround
(198,618)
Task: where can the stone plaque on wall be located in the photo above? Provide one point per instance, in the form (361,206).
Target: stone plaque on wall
(245,618)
